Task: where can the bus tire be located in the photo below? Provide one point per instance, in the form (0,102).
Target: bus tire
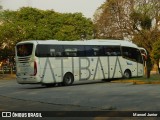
(127,74)
(68,79)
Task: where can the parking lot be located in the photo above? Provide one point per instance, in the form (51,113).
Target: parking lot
(85,96)
(98,95)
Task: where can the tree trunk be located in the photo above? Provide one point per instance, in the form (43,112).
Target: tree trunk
(158,67)
(148,73)
(149,66)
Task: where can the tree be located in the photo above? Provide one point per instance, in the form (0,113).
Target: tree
(33,24)
(156,53)
(137,20)
(72,26)
(145,20)
(113,19)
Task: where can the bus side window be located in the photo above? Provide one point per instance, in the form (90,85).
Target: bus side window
(107,51)
(89,51)
(98,50)
(58,50)
(52,53)
(93,50)
(125,54)
(132,54)
(66,53)
(42,51)
(119,53)
(80,50)
(112,50)
(70,51)
(58,54)
(114,54)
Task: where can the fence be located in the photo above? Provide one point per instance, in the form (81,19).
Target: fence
(7,70)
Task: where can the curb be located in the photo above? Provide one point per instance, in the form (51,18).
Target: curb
(137,82)
(147,82)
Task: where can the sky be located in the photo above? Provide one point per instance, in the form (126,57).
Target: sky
(86,7)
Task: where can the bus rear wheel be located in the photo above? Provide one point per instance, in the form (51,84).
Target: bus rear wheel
(127,74)
(68,79)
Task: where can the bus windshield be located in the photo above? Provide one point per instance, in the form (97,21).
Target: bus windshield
(24,49)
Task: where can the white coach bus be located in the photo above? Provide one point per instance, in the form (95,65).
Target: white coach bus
(52,61)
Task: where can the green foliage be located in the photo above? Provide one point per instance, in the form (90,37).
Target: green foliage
(137,20)
(143,21)
(29,14)
(133,19)
(33,24)
(156,50)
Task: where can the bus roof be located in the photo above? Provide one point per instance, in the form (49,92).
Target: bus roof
(84,42)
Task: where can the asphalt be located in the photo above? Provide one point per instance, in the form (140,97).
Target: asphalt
(134,81)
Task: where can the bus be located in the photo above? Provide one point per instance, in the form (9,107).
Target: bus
(49,62)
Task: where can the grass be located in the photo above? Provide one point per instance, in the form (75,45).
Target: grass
(154,79)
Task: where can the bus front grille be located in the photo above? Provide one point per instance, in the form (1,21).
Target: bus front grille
(24,59)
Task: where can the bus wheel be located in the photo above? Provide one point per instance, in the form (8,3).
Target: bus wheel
(68,79)
(127,74)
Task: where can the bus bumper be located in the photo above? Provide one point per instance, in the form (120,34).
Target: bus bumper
(27,80)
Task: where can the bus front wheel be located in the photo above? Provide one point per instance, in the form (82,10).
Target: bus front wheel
(127,74)
(68,79)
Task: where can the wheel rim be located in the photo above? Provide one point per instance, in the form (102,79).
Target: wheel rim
(68,80)
(127,74)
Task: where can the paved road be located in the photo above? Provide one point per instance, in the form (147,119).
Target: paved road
(91,96)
